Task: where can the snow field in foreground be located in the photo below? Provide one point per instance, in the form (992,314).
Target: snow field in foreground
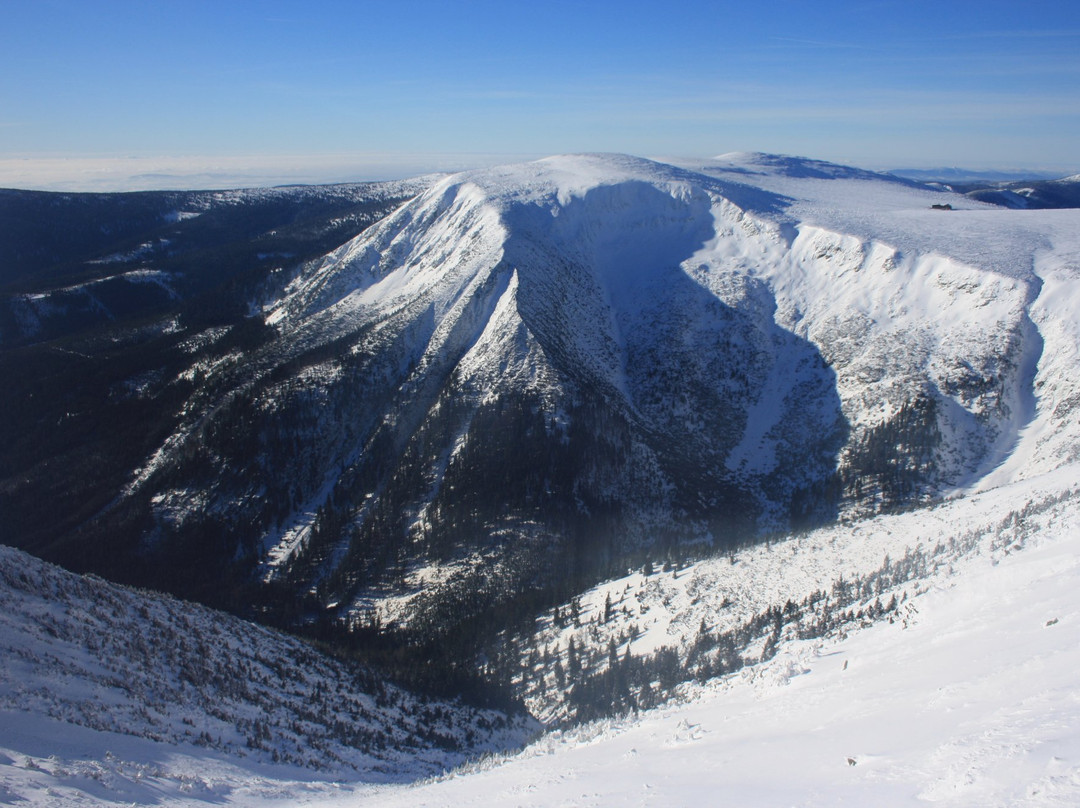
(971,699)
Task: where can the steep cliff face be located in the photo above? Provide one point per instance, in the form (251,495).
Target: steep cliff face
(528,377)
(542,370)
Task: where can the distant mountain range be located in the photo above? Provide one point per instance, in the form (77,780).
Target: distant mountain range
(1027,194)
(1025,191)
(950,175)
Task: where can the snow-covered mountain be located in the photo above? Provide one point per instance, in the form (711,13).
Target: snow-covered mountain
(528,378)
(554,424)
(70,262)
(564,364)
(1025,194)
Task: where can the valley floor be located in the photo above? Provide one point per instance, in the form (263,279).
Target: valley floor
(968,697)
(972,700)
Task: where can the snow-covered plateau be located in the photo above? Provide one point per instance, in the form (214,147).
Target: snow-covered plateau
(756,479)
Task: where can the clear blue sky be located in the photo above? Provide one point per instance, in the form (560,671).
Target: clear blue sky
(986,83)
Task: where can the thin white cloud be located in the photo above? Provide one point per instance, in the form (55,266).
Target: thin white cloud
(105,174)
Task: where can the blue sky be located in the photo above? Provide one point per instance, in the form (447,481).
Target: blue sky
(342,90)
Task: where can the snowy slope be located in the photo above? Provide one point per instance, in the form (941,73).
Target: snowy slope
(89,667)
(601,349)
(966,696)
(827,581)
(455,397)
(976,296)
(768,316)
(970,699)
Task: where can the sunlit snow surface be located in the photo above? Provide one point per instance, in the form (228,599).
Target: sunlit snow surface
(856,297)
(969,696)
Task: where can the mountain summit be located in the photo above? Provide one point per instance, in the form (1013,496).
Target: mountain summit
(528,377)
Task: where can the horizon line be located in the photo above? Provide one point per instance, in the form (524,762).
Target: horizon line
(115,174)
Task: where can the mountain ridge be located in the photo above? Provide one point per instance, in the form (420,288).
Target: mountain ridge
(524,380)
(637,423)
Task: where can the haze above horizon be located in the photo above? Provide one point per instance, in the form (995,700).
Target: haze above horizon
(126,95)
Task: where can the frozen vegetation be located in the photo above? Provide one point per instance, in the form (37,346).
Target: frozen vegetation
(111,667)
(963,693)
